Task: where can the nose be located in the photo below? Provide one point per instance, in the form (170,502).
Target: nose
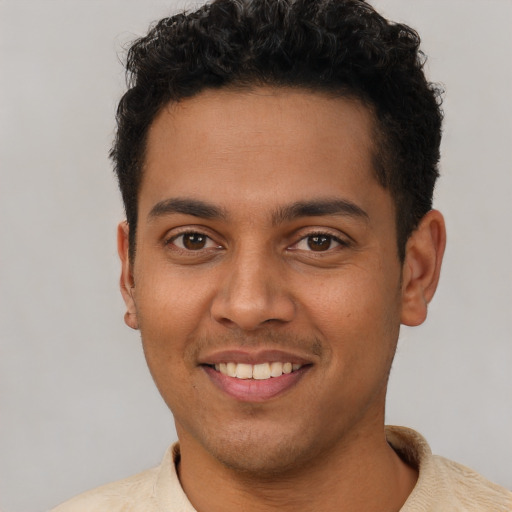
(253,293)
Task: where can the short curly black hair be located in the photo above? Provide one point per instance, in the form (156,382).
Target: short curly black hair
(337,46)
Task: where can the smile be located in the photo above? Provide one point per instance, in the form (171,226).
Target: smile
(258,382)
(261,371)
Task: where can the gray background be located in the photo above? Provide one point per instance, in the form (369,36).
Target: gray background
(77,405)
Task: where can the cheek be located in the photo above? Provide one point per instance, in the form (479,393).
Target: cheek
(353,299)
(358,317)
(170,302)
(167,317)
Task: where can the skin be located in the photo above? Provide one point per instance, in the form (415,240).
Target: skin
(258,280)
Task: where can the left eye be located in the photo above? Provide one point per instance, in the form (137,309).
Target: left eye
(318,243)
(193,241)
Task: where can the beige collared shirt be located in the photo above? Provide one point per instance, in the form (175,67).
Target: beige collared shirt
(442,485)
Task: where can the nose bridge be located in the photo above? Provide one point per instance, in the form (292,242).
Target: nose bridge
(253,291)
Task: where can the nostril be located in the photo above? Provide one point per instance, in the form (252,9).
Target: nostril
(226,322)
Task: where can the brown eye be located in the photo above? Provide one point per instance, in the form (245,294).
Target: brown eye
(319,242)
(194,241)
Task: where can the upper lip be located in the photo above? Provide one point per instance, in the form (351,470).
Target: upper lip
(253,357)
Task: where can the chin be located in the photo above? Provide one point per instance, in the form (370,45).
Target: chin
(262,453)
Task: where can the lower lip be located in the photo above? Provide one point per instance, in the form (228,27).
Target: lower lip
(252,390)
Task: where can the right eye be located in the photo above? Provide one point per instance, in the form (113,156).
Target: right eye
(192,241)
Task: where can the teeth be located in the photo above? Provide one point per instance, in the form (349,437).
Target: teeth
(232,369)
(243,371)
(276,369)
(258,371)
(261,371)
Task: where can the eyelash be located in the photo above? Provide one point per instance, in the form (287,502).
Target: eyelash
(171,241)
(332,238)
(304,239)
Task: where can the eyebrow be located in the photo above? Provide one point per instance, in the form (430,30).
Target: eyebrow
(318,208)
(312,208)
(193,207)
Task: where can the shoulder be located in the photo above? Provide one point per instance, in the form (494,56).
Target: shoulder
(443,484)
(471,491)
(129,494)
(150,491)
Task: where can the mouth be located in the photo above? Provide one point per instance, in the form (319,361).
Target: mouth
(257,377)
(262,371)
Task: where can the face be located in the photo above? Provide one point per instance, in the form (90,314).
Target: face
(266,282)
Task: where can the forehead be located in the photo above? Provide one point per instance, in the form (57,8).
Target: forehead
(286,143)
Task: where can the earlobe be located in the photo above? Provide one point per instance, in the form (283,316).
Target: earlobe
(422,267)
(126,281)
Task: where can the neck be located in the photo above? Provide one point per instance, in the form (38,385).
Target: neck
(363,473)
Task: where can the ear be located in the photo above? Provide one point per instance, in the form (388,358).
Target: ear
(422,265)
(127,283)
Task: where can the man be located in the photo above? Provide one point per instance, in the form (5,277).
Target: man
(277,161)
